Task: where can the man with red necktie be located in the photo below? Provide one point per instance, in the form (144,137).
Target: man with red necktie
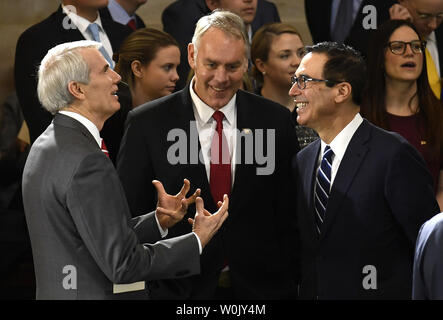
(222,132)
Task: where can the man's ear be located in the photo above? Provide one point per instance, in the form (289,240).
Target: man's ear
(191,51)
(76,89)
(344,92)
(136,68)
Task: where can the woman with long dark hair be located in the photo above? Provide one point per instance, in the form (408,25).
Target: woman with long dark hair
(398,96)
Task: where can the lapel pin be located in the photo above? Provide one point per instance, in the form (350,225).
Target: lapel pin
(423,142)
(246,130)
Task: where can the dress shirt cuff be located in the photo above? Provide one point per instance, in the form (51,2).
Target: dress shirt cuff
(163,233)
(199,243)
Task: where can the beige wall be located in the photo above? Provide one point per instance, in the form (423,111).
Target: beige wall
(17,15)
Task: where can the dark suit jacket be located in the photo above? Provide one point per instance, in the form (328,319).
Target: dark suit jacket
(380,197)
(181,16)
(77,215)
(439,37)
(428,262)
(32,46)
(318,16)
(258,238)
(105,14)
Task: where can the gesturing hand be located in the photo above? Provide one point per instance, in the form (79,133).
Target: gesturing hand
(172,209)
(205,224)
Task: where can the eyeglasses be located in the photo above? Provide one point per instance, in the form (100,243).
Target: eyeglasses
(302,80)
(429,16)
(399,47)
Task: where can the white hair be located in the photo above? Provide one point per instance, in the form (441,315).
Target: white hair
(228,22)
(61,65)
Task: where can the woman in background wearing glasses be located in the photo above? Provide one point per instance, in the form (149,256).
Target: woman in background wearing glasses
(398,96)
(276,52)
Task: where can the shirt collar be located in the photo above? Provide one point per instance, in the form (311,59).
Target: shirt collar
(205,112)
(118,13)
(432,37)
(341,141)
(81,23)
(87,123)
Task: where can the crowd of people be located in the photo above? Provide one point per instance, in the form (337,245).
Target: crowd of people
(316,171)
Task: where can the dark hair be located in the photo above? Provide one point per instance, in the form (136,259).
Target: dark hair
(345,64)
(262,40)
(141,45)
(374,97)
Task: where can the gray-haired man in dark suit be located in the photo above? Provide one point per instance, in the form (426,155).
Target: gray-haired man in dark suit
(85,246)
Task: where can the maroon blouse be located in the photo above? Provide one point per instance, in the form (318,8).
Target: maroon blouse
(412,129)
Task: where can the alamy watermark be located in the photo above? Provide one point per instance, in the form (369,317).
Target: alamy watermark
(370,280)
(70,280)
(256,145)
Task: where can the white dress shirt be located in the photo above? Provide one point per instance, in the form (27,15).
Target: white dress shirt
(206,125)
(82,24)
(340,144)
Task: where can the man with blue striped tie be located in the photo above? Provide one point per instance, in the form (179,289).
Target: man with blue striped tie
(362,192)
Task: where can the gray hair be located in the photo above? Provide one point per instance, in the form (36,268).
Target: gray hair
(228,22)
(61,65)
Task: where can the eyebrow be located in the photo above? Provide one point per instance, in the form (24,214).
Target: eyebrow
(428,13)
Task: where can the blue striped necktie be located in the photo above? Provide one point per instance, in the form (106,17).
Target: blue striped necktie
(322,187)
(93,30)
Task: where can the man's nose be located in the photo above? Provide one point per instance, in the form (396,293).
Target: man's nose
(433,24)
(116,76)
(221,74)
(295,90)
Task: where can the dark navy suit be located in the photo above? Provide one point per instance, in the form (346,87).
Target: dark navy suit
(381,195)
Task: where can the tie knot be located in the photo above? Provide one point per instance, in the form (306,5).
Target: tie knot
(218,116)
(93,28)
(104,149)
(328,153)
(132,24)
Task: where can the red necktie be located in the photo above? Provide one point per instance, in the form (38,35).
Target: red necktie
(220,172)
(104,149)
(131,24)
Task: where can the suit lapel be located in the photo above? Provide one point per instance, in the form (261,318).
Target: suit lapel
(68,34)
(348,169)
(246,124)
(309,176)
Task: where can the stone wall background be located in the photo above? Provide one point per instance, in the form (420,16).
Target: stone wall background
(17,15)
